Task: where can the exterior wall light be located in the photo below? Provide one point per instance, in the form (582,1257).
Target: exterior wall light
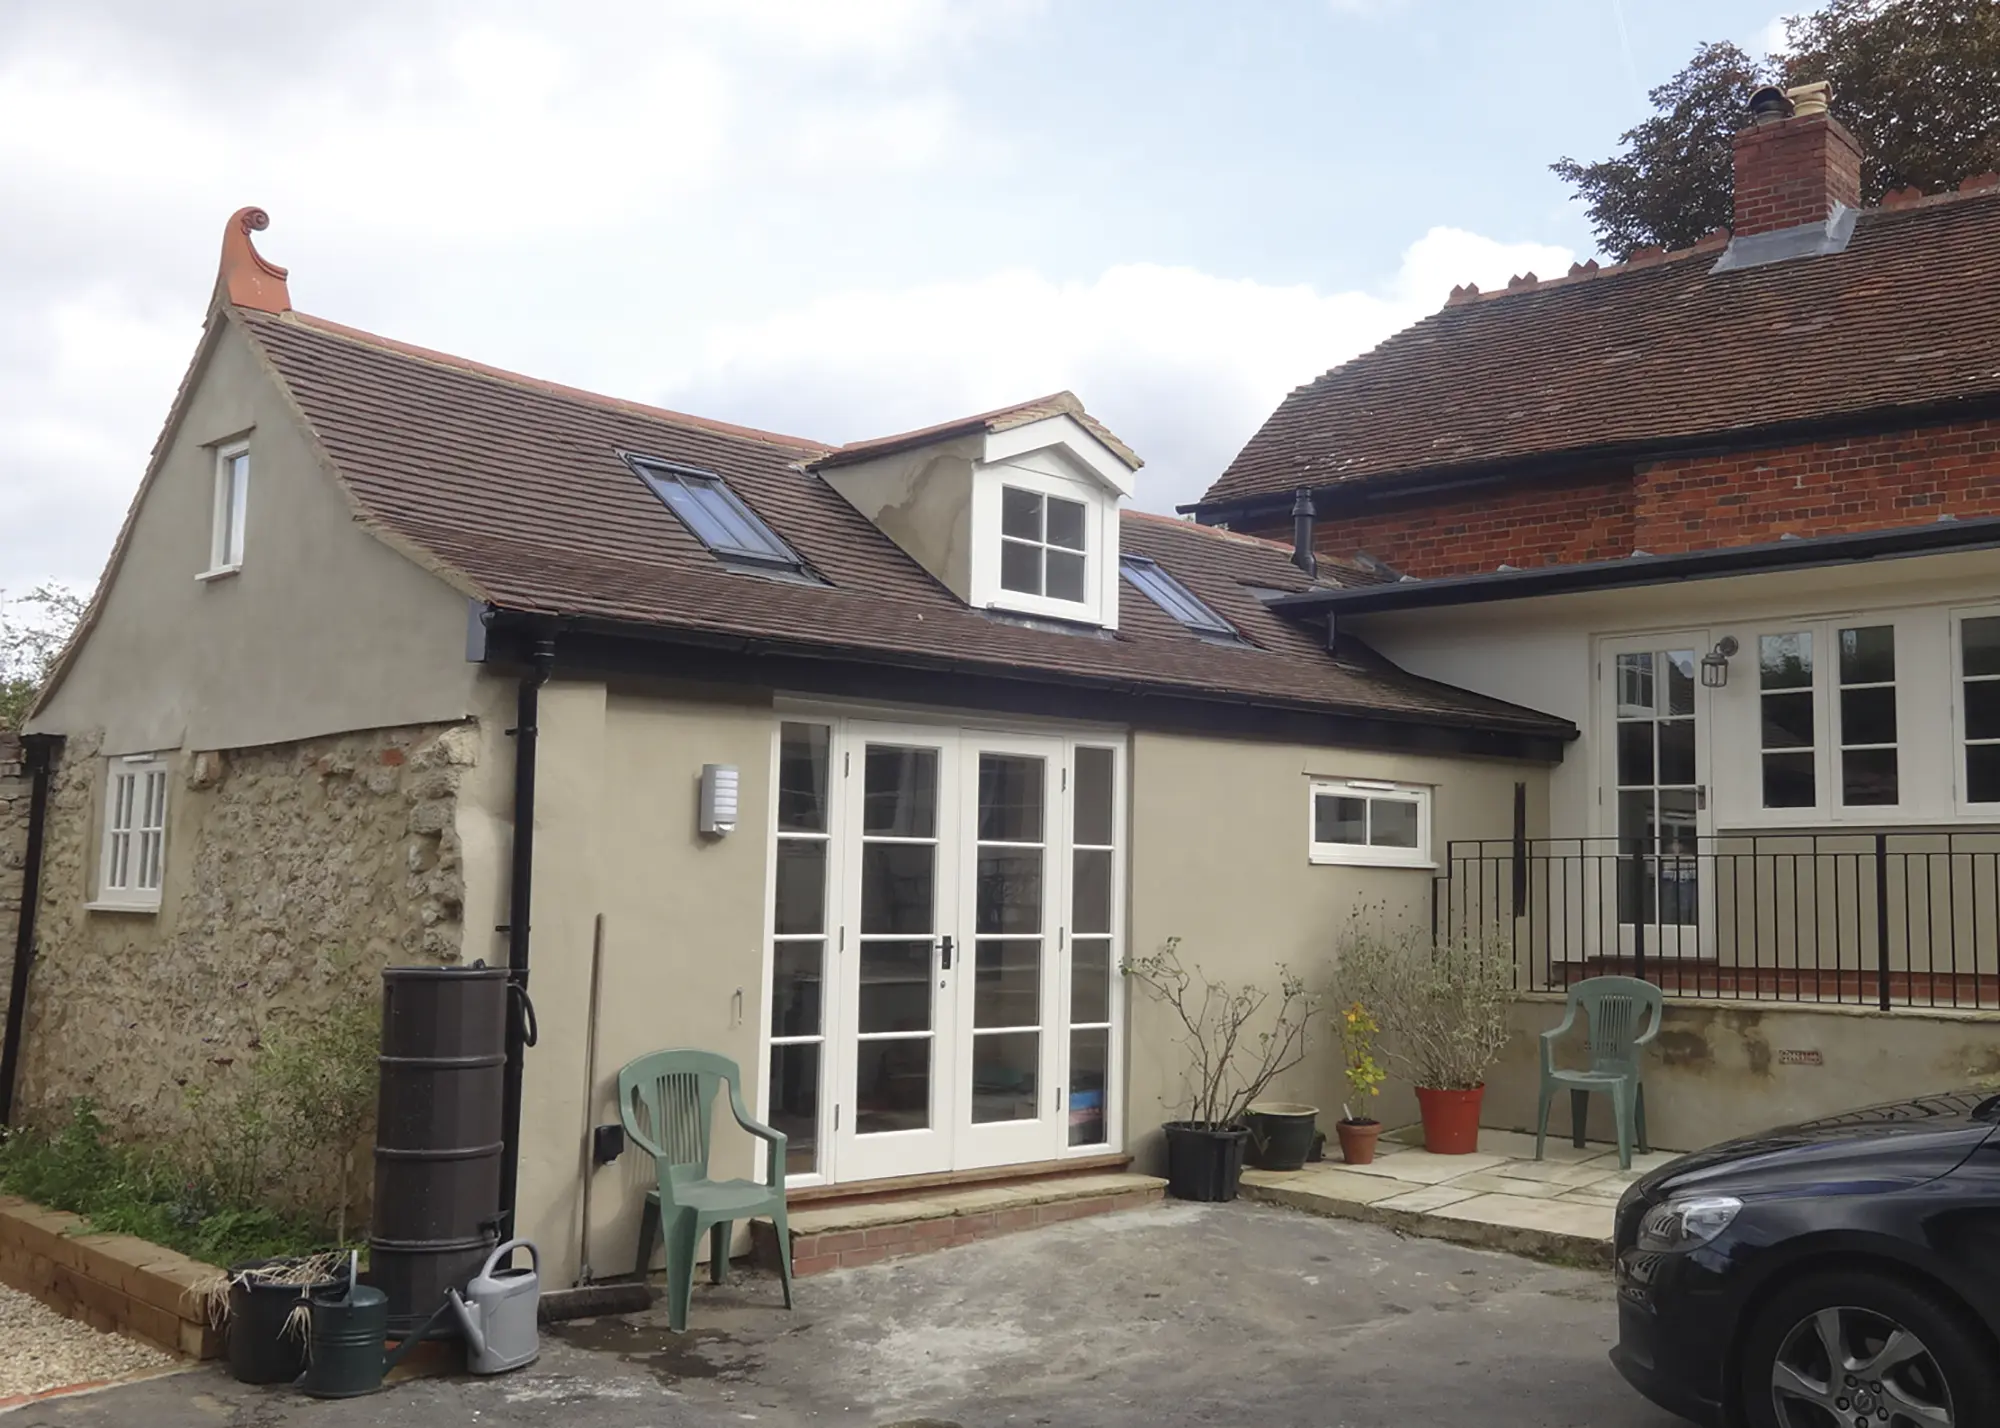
(1715,664)
(718,799)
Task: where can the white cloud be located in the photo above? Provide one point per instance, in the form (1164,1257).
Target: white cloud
(1771,39)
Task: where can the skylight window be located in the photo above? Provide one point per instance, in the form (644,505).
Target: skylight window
(718,518)
(1176,599)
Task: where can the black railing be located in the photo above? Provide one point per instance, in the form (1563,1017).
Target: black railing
(1886,919)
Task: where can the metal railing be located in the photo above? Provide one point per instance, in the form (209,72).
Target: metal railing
(1888,919)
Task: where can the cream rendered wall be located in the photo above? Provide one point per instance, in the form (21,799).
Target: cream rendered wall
(684,920)
(922,500)
(324,630)
(1219,859)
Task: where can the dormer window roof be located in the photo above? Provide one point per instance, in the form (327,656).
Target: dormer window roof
(717,517)
(1177,600)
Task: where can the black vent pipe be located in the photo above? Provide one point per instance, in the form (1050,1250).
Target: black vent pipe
(520,901)
(1302,534)
(40,751)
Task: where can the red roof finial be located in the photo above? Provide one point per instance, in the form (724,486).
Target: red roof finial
(245,278)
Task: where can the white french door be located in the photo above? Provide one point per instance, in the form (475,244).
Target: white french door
(966,931)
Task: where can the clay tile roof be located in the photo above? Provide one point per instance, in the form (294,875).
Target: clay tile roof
(1000,419)
(513,489)
(1656,351)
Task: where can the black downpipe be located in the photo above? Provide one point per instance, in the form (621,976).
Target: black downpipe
(520,1011)
(1302,534)
(41,759)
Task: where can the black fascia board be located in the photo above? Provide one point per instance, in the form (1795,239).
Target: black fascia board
(612,648)
(1902,542)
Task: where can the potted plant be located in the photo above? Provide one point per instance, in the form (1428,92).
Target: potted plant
(1365,1076)
(1236,1045)
(1442,1005)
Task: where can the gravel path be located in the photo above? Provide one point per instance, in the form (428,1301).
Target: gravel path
(40,1349)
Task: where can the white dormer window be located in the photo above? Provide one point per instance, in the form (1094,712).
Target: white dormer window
(1043,545)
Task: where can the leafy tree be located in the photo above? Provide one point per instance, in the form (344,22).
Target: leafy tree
(1918,81)
(30,643)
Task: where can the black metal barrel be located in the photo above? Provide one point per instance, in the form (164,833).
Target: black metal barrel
(438,1134)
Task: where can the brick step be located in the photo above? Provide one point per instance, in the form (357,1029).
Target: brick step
(845,1236)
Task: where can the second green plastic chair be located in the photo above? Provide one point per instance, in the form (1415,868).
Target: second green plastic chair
(1616,1008)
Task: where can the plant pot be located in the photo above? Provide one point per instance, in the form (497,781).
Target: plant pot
(1357,1141)
(260,1351)
(1204,1163)
(1451,1119)
(1281,1134)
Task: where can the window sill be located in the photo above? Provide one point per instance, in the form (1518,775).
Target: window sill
(219,573)
(1346,860)
(146,909)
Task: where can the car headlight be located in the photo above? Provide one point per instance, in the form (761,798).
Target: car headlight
(1683,1224)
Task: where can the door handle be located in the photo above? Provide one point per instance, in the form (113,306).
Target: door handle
(944,953)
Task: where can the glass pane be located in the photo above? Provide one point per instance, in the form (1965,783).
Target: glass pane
(1392,823)
(801,897)
(1020,567)
(1093,796)
(1635,820)
(1980,640)
(795,987)
(1677,821)
(895,986)
(1982,709)
(744,532)
(1065,523)
(1635,685)
(1010,798)
(1009,893)
(1065,576)
(1020,513)
(803,752)
(1785,661)
(795,1105)
(1007,983)
(1868,716)
(239,501)
(1868,777)
(1788,781)
(1677,751)
(896,887)
(1089,1059)
(701,517)
(1004,1073)
(1090,891)
(1982,773)
(1340,820)
(1679,891)
(1090,979)
(900,797)
(892,1085)
(1635,753)
(1788,721)
(1680,681)
(1868,655)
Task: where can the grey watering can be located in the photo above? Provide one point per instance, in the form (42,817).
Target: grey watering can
(497,1313)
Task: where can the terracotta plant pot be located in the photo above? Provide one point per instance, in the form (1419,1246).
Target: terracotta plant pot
(1357,1141)
(1451,1119)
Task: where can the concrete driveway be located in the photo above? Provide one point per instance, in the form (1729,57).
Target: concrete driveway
(1178,1315)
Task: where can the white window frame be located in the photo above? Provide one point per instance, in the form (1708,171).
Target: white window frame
(1829,737)
(1100,543)
(132,858)
(229,511)
(1368,855)
(1961,787)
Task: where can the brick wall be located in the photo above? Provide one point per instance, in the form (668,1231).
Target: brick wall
(1682,504)
(14,789)
(1794,172)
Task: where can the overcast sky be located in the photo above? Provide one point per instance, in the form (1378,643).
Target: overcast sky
(838,218)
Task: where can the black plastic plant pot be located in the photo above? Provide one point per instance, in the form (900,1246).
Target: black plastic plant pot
(1204,1163)
(260,1350)
(1281,1134)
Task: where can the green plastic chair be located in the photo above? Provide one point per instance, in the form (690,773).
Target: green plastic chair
(667,1102)
(1616,1006)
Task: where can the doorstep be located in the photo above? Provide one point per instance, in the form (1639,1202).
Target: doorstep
(1561,1207)
(847,1235)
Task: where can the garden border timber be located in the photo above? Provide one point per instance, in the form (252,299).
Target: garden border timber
(115,1283)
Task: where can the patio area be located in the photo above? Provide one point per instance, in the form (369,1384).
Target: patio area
(1559,1207)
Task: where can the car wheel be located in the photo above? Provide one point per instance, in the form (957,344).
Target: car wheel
(1860,1350)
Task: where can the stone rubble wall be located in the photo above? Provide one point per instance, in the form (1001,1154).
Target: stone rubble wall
(15,786)
(294,874)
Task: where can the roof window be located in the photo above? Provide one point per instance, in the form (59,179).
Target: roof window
(1176,599)
(718,518)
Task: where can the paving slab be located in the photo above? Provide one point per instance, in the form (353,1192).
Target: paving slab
(1574,1219)
(1429,1197)
(1424,1168)
(1549,1172)
(1307,1189)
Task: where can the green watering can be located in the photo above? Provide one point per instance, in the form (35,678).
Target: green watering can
(347,1359)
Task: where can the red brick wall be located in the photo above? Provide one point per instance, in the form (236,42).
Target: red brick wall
(1794,172)
(1683,504)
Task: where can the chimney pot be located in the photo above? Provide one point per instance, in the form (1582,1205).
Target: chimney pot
(1302,534)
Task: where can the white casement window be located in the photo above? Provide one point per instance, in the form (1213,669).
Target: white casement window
(232,503)
(1976,647)
(1370,822)
(799,942)
(135,834)
(1043,545)
(1828,734)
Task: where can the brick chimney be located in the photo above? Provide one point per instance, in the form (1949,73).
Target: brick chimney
(1795,163)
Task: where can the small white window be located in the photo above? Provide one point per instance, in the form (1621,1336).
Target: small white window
(1979,706)
(1042,545)
(1370,822)
(232,498)
(135,834)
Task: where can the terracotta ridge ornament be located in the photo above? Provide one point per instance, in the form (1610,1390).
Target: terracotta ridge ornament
(245,278)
